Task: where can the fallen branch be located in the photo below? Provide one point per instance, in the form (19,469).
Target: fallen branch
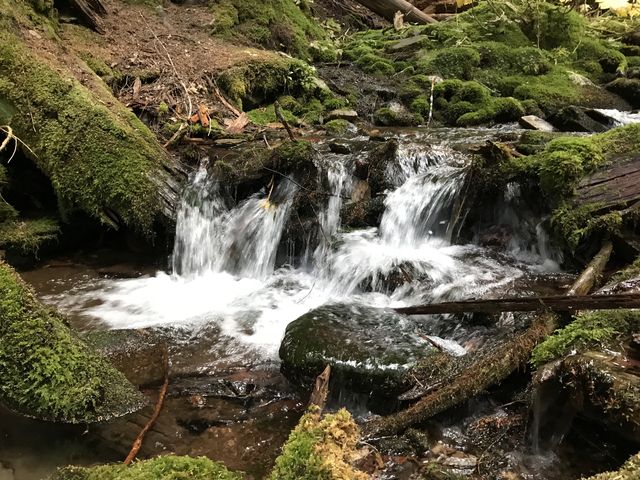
(558,303)
(388,8)
(137,444)
(488,369)
(283,121)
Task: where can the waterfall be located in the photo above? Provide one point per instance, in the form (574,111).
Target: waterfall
(243,240)
(224,259)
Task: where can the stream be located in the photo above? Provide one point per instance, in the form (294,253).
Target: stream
(232,272)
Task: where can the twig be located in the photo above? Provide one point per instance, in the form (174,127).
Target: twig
(283,120)
(137,444)
(12,136)
(321,389)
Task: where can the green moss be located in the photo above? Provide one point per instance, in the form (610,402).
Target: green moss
(98,65)
(498,110)
(27,235)
(167,467)
(375,64)
(46,371)
(576,224)
(629,471)
(294,154)
(276,24)
(266,115)
(96,157)
(629,272)
(457,62)
(319,448)
(588,330)
(324,51)
(261,82)
(336,127)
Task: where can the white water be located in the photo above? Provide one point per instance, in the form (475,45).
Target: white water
(224,258)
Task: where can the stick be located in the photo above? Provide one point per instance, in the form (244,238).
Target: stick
(591,275)
(283,121)
(557,303)
(321,389)
(137,444)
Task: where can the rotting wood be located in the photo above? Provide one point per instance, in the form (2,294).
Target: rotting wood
(90,12)
(321,389)
(137,444)
(557,303)
(615,186)
(485,371)
(388,8)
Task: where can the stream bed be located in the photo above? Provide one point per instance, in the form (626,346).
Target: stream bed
(221,303)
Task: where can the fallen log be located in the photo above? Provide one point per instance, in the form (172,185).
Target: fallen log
(529,304)
(388,9)
(89,12)
(487,370)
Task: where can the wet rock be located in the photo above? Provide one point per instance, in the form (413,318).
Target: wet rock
(342,114)
(532,122)
(362,214)
(369,349)
(361,191)
(395,115)
(497,236)
(340,148)
(378,159)
(575,119)
(628,89)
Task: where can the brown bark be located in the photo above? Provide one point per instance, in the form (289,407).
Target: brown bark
(487,370)
(90,12)
(388,9)
(321,389)
(592,273)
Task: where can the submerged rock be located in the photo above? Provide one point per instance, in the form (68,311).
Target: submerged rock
(369,349)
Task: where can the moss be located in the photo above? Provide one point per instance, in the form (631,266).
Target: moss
(387,116)
(294,154)
(275,24)
(96,157)
(421,105)
(46,371)
(98,65)
(629,272)
(336,127)
(167,467)
(266,115)
(629,471)
(498,110)
(372,63)
(260,82)
(320,448)
(457,62)
(588,330)
(27,235)
(324,51)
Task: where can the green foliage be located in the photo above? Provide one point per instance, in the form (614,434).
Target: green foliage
(319,448)
(588,330)
(336,127)
(96,157)
(167,467)
(262,82)
(46,371)
(276,24)
(26,235)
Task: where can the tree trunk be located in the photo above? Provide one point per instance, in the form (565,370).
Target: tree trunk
(388,9)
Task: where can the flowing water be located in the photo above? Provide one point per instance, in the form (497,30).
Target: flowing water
(224,269)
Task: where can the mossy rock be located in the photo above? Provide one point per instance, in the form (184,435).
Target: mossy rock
(320,448)
(98,158)
(627,88)
(369,349)
(46,371)
(276,24)
(28,235)
(167,467)
(336,127)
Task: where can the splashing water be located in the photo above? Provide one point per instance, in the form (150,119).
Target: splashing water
(224,260)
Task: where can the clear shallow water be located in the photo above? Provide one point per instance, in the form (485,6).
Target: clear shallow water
(224,263)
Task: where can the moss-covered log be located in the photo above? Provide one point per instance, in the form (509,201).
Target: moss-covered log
(162,468)
(320,448)
(99,157)
(47,372)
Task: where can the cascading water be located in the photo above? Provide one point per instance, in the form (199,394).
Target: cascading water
(224,270)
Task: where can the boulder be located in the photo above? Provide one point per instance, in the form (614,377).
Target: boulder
(575,119)
(395,115)
(369,349)
(628,89)
(342,114)
(339,148)
(531,122)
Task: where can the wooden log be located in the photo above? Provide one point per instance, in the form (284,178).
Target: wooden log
(89,12)
(591,274)
(615,186)
(558,303)
(388,8)
(485,371)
